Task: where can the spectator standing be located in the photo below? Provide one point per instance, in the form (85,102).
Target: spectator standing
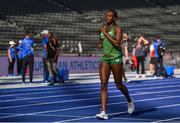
(159,46)
(79,48)
(44,42)
(19,58)
(152,58)
(11,58)
(124,47)
(27,56)
(52,59)
(140,53)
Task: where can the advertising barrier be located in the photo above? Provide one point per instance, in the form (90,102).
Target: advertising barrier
(73,64)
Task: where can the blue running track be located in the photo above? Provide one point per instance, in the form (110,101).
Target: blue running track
(155,101)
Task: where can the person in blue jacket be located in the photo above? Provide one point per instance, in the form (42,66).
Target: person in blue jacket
(11,58)
(27,45)
(19,58)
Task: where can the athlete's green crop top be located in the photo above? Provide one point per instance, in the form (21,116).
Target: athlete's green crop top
(109,51)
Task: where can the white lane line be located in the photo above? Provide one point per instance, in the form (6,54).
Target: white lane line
(8,113)
(76,100)
(88,117)
(84,89)
(48,115)
(168,120)
(74,108)
(130,119)
(65,95)
(60,115)
(119,113)
(79,85)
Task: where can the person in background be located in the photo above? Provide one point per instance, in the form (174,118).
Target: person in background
(140,52)
(159,47)
(27,45)
(44,42)
(79,48)
(152,58)
(52,59)
(124,47)
(19,58)
(111,60)
(11,58)
(133,59)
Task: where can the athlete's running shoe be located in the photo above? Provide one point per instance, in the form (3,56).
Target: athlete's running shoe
(102,115)
(131,107)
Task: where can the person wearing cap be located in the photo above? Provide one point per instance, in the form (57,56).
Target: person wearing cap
(44,42)
(11,58)
(27,45)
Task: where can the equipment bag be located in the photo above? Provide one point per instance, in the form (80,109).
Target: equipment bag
(64,73)
(169,70)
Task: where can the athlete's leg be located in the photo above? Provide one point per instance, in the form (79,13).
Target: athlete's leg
(117,73)
(104,72)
